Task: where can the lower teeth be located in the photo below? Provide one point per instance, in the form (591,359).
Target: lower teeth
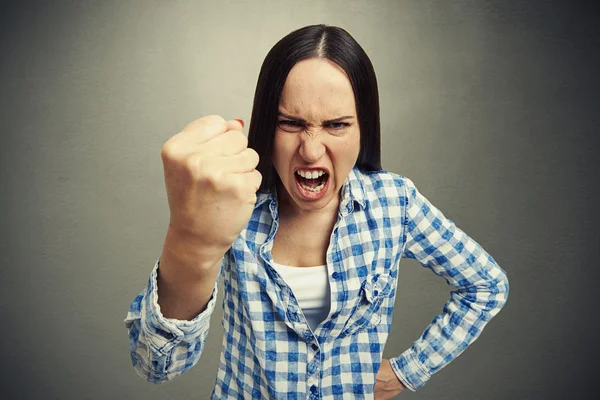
(315,189)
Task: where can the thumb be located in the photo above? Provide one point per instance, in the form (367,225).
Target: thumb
(235,124)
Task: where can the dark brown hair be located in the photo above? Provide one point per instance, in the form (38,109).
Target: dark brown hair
(315,41)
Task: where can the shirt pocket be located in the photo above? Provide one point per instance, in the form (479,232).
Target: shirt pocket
(366,313)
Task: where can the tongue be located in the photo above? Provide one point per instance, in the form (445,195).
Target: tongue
(312,183)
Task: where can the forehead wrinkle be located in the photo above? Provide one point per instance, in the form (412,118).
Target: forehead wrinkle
(316,90)
(310,116)
(317,110)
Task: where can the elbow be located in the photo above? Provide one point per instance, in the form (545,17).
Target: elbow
(501,289)
(490,294)
(504,284)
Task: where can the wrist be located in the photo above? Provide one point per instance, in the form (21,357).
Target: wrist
(190,255)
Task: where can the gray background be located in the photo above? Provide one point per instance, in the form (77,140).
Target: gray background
(490,107)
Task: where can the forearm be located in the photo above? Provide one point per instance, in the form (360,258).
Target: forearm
(462,320)
(162,348)
(186,276)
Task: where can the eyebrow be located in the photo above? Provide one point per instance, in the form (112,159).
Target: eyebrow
(304,121)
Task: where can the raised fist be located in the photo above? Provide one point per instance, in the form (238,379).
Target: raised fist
(211,181)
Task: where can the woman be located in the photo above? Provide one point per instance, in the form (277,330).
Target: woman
(309,261)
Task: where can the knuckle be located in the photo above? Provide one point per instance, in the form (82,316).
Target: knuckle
(215,181)
(209,174)
(212,120)
(197,167)
(241,193)
(167,150)
(193,165)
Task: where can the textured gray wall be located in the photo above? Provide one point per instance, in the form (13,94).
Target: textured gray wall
(491,107)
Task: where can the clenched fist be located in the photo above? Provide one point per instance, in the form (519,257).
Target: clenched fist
(211,181)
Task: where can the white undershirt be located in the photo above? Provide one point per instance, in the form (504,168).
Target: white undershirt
(310,286)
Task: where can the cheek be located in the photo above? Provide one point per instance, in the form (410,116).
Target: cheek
(351,149)
(344,158)
(356,143)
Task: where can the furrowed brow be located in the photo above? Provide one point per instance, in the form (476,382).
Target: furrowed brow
(290,117)
(329,121)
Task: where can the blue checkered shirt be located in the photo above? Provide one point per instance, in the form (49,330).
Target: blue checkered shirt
(269,350)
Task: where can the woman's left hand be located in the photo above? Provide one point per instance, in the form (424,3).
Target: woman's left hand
(387,384)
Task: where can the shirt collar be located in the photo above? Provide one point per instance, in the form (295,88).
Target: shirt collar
(352,191)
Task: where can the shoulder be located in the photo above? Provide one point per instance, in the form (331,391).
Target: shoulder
(385,184)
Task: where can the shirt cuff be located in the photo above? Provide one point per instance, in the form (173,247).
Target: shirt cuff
(165,333)
(409,370)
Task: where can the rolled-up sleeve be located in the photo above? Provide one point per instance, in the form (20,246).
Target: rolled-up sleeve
(481,289)
(162,348)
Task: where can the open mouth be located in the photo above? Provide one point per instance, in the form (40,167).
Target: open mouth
(312,184)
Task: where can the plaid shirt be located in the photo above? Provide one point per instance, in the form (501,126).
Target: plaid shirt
(268,349)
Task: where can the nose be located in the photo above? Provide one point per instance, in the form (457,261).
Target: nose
(311,147)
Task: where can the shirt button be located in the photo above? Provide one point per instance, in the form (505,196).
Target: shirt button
(335,275)
(313,389)
(314,347)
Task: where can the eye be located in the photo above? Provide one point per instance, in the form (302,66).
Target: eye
(290,126)
(338,125)
(289,122)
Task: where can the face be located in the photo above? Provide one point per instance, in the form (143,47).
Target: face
(317,139)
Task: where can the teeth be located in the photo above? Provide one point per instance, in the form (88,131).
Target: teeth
(309,174)
(316,189)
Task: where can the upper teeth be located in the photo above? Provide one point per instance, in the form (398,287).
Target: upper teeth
(310,174)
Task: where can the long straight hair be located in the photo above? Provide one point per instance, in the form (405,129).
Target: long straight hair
(324,42)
